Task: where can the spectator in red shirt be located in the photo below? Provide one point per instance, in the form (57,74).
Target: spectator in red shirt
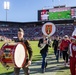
(64,48)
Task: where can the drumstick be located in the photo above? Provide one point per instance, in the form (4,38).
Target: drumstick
(29,63)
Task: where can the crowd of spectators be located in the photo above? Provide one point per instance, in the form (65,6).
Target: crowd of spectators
(4,38)
(34,32)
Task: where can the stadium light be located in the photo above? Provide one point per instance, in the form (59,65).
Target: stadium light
(6,7)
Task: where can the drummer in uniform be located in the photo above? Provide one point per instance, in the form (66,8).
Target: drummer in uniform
(29,50)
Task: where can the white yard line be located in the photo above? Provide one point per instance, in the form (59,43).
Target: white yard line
(52,68)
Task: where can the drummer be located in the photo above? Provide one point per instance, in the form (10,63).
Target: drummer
(29,49)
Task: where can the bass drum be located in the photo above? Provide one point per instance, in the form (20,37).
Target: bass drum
(13,55)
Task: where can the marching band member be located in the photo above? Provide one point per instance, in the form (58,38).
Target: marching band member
(72,53)
(29,49)
(43,44)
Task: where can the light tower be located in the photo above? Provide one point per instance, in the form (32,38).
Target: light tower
(6,7)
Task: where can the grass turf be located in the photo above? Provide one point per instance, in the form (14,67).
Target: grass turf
(63,71)
(36,56)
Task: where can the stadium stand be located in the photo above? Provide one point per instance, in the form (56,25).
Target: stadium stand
(33,30)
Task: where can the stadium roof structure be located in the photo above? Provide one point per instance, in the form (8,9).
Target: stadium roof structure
(8,22)
(39,22)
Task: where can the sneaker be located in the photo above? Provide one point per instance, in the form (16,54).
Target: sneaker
(57,61)
(43,70)
(45,64)
(67,65)
(64,63)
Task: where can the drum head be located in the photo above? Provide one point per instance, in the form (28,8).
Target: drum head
(19,55)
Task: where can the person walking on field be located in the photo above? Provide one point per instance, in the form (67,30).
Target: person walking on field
(43,44)
(64,45)
(29,50)
(55,47)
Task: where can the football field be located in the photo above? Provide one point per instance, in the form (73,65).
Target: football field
(36,57)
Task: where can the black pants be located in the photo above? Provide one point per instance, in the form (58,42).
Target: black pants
(65,56)
(55,51)
(17,70)
(25,69)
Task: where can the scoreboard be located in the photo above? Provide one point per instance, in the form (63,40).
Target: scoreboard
(73,12)
(57,13)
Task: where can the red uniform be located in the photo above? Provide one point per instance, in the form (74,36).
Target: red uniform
(72,58)
(64,44)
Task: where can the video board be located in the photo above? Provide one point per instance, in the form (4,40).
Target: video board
(73,12)
(57,13)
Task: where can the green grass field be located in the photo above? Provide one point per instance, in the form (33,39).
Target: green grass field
(36,57)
